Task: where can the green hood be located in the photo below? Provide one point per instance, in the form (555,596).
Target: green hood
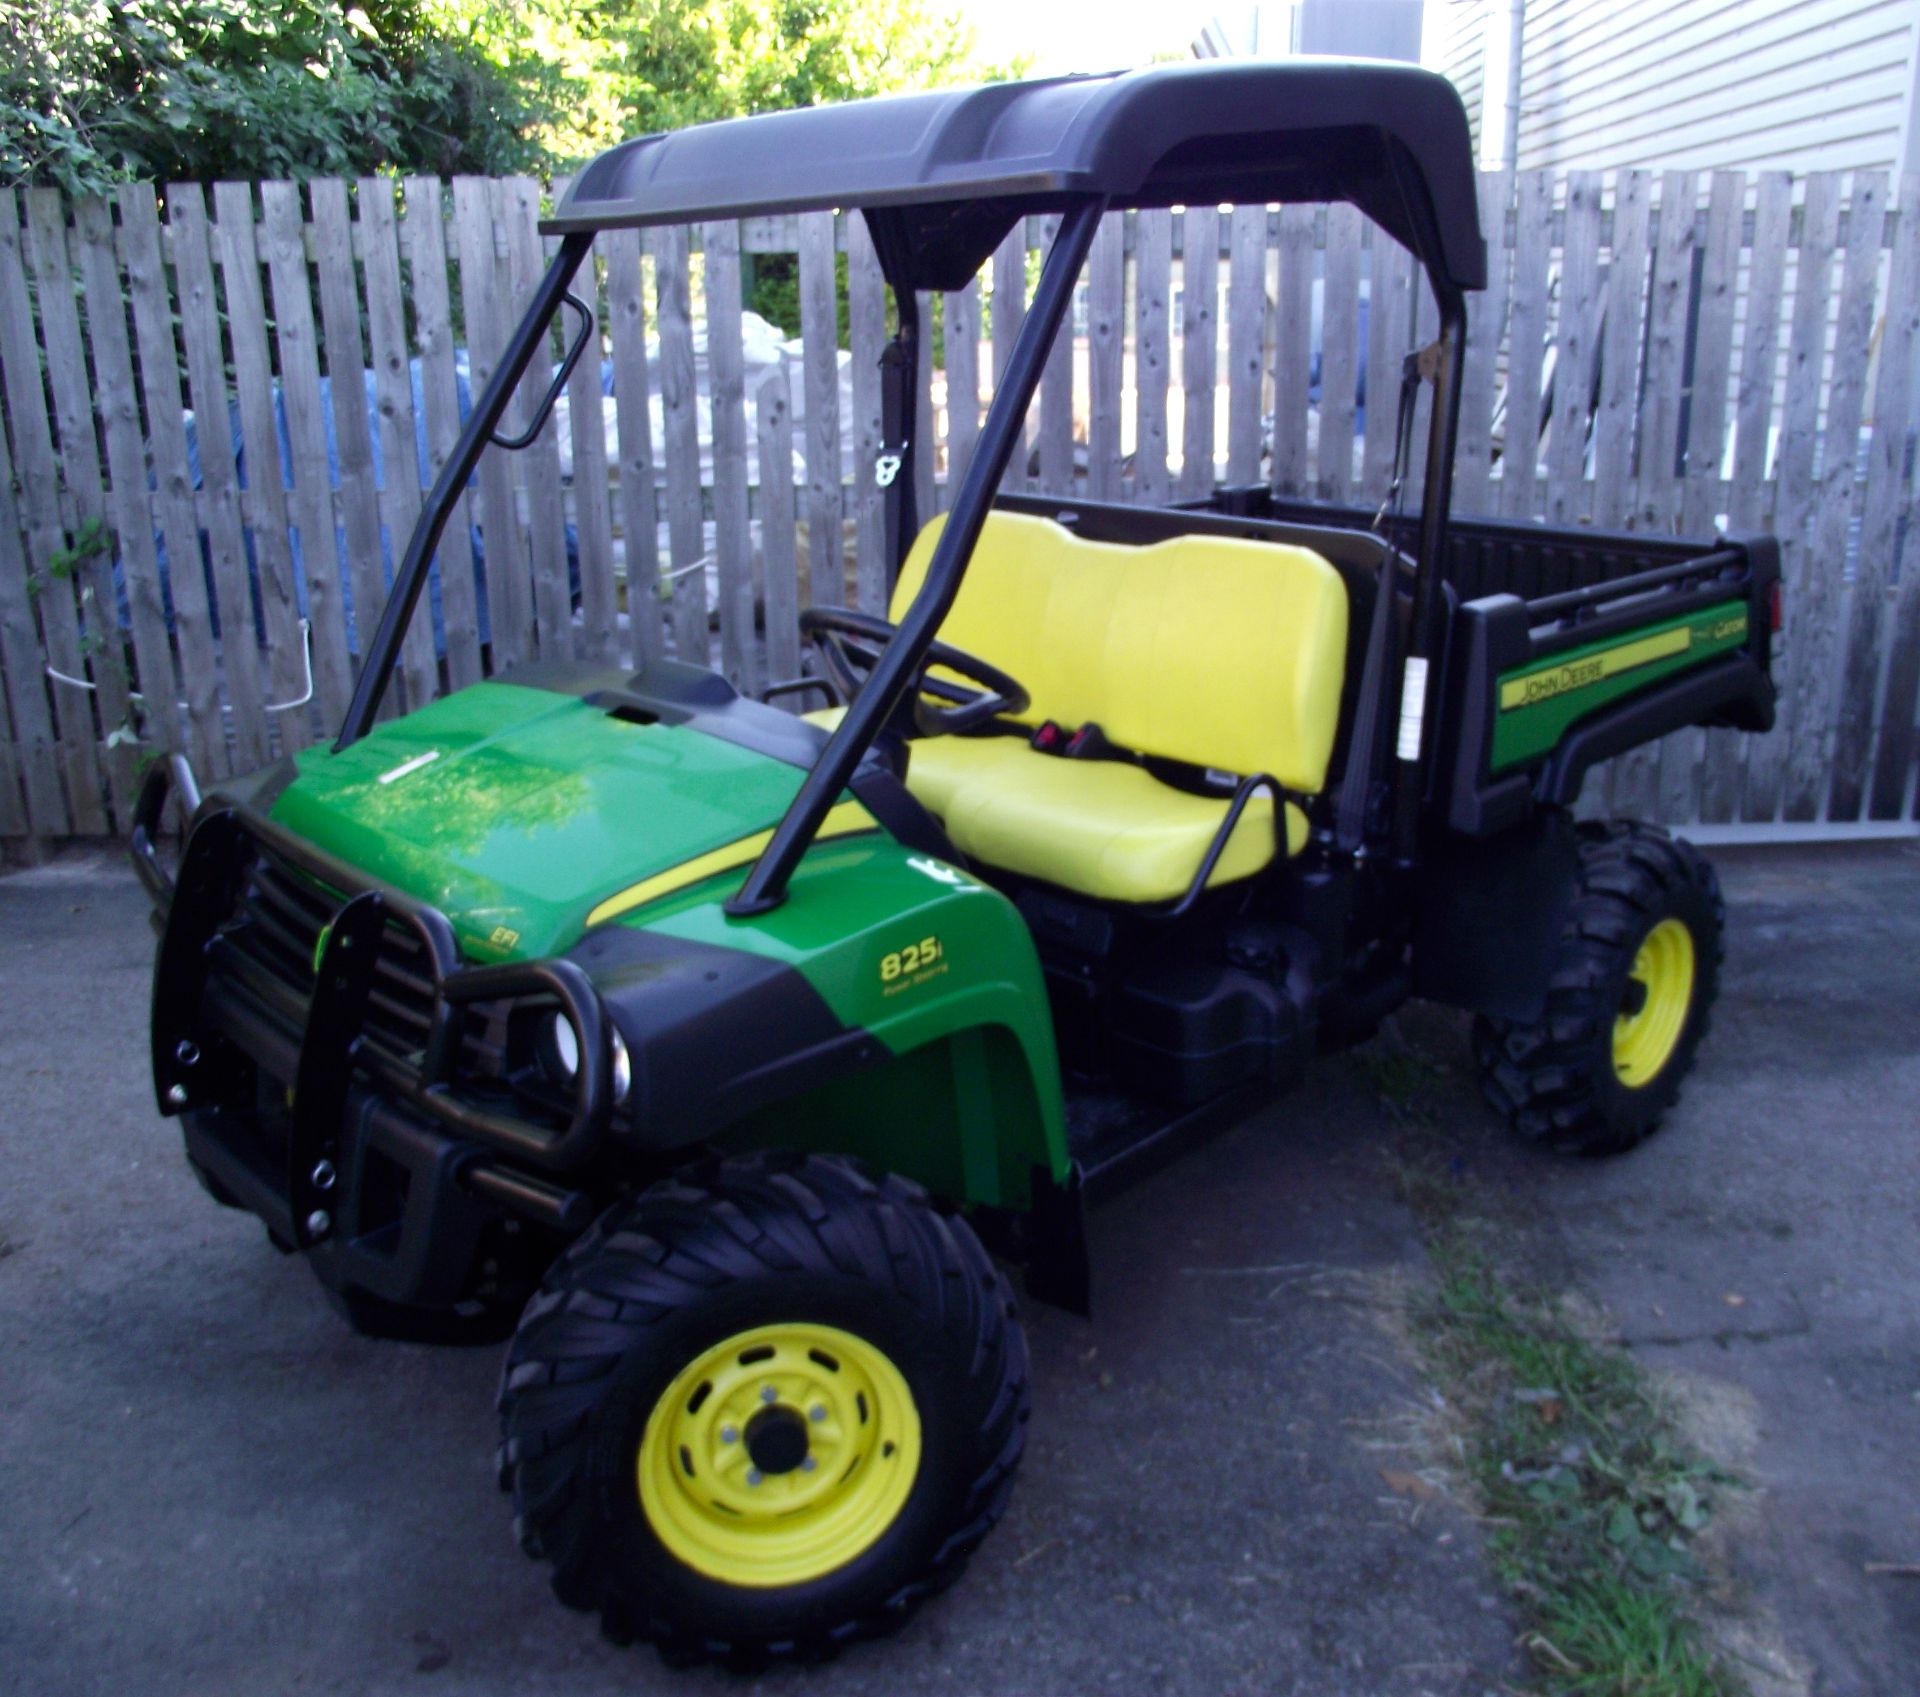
(516,811)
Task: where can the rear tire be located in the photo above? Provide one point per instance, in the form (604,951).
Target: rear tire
(1636,971)
(763,1409)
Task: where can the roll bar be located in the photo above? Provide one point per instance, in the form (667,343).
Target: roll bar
(479,430)
(766,884)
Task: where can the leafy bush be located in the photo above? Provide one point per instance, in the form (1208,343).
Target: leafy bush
(106,90)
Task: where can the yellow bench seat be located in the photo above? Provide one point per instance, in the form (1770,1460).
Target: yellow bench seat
(1219,653)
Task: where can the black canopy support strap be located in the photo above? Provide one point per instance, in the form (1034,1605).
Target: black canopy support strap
(529,337)
(900,663)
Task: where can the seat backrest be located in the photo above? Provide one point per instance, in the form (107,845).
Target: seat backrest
(1217,651)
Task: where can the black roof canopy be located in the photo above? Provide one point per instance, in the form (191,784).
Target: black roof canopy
(942,177)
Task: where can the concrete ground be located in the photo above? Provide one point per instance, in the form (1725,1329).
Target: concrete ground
(1763,1247)
(208,1485)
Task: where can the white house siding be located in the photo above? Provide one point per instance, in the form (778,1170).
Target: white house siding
(1455,44)
(1801,85)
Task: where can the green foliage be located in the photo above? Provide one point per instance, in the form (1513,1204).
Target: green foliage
(678,62)
(106,90)
(98,91)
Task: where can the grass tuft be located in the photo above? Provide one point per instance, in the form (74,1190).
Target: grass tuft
(1590,1501)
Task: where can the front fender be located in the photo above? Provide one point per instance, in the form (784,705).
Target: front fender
(892,1007)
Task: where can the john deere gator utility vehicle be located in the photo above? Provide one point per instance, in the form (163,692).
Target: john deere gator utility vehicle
(718,1043)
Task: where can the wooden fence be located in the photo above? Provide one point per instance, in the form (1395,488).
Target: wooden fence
(1662,353)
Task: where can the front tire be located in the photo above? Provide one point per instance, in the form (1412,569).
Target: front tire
(1634,978)
(762,1409)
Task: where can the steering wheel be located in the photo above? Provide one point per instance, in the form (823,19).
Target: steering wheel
(851,643)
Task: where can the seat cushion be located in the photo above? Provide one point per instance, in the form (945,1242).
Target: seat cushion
(1103,828)
(1219,651)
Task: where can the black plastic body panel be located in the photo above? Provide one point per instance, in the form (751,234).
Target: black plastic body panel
(1188,1033)
(1490,916)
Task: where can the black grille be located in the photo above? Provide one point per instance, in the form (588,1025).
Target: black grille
(272,938)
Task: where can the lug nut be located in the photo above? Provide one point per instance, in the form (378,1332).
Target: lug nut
(323,1175)
(186,1053)
(769,1394)
(808,1464)
(729,1434)
(817,1413)
(753,1475)
(319,1222)
(176,1095)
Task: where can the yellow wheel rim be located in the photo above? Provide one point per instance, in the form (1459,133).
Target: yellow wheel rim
(1648,1028)
(779,1456)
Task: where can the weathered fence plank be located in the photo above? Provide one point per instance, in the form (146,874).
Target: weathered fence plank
(1246,340)
(426,242)
(129,510)
(1574,341)
(1389,341)
(1106,357)
(1812,702)
(1712,754)
(1199,348)
(597,635)
(680,421)
(1860,681)
(1794,476)
(536,467)
(1615,424)
(394,414)
(773,427)
(198,677)
(726,378)
(1339,351)
(1293,352)
(963,384)
(265,503)
(826,491)
(353,439)
(32,719)
(509,593)
(1520,433)
(67,383)
(220,519)
(1153,357)
(1636,774)
(51,586)
(632,391)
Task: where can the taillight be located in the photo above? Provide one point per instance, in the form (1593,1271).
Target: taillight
(1776,607)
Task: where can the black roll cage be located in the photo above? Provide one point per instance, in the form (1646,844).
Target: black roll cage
(1001,432)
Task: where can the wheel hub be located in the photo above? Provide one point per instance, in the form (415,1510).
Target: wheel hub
(1654,1004)
(779,1455)
(777,1439)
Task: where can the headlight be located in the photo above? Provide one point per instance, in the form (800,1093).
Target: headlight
(560,1049)
(560,1055)
(622,1066)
